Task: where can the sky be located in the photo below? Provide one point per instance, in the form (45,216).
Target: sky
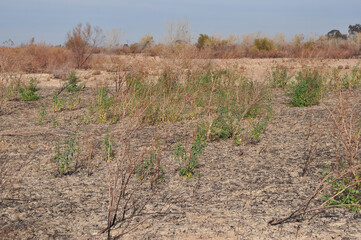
(50,20)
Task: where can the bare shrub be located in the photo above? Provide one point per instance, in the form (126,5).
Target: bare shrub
(128,196)
(83,41)
(178,33)
(113,38)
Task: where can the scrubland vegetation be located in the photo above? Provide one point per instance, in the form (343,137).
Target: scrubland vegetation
(142,136)
(85,41)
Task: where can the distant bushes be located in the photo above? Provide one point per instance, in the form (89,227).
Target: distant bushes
(264,44)
(40,57)
(34,58)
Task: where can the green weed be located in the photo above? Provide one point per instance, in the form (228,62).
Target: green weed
(307,90)
(150,167)
(42,114)
(73,101)
(58,103)
(103,106)
(72,83)
(108,153)
(54,121)
(65,153)
(353,80)
(351,193)
(28,92)
(189,159)
(279,77)
(259,126)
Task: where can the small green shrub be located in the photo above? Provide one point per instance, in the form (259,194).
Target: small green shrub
(189,160)
(72,83)
(10,88)
(259,126)
(103,108)
(346,81)
(58,103)
(73,102)
(354,80)
(222,126)
(28,92)
(150,167)
(336,81)
(351,195)
(42,114)
(108,153)
(308,89)
(264,44)
(279,77)
(65,153)
(104,103)
(54,121)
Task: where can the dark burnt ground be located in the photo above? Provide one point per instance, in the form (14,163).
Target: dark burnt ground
(238,190)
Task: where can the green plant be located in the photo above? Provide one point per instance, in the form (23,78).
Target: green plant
(42,114)
(308,89)
(72,83)
(54,121)
(150,167)
(221,99)
(202,40)
(279,77)
(335,82)
(58,103)
(74,100)
(103,107)
(344,191)
(108,153)
(189,159)
(65,153)
(28,92)
(222,126)
(346,81)
(255,134)
(353,80)
(264,44)
(9,87)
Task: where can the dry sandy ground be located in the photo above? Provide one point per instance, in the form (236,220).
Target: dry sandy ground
(153,67)
(238,190)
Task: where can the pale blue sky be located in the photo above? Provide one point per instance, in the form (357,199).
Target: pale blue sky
(50,20)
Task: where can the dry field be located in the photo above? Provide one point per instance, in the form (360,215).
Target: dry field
(240,185)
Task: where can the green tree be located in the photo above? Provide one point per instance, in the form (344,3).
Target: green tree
(354,29)
(202,40)
(336,34)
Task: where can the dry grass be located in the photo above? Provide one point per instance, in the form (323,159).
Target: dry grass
(34,58)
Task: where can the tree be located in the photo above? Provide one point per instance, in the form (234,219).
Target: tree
(147,41)
(353,30)
(336,34)
(202,40)
(113,38)
(178,33)
(82,41)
